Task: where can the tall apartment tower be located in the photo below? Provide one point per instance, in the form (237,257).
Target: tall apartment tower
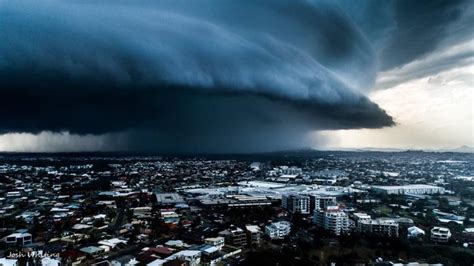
(296,203)
(321,202)
(332,219)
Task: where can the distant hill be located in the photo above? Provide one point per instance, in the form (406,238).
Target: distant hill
(463,149)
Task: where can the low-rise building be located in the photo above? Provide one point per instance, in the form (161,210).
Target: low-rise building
(192,257)
(19,238)
(440,234)
(253,234)
(127,260)
(234,236)
(169,199)
(93,251)
(217,242)
(49,262)
(169,216)
(416,189)
(415,232)
(381,226)
(278,230)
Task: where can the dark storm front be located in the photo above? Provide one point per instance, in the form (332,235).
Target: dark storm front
(296,208)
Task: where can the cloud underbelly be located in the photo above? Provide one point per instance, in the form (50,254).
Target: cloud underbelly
(170,72)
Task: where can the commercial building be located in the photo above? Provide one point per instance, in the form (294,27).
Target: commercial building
(247,201)
(169,199)
(278,230)
(417,189)
(332,219)
(295,203)
(440,234)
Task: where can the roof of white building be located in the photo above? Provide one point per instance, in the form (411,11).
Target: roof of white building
(253,228)
(8,262)
(157,262)
(412,186)
(282,225)
(415,231)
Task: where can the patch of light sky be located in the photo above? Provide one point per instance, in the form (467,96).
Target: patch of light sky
(433,107)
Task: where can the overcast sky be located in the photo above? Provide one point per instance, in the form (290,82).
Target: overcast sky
(243,76)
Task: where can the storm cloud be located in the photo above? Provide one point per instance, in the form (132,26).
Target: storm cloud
(196,75)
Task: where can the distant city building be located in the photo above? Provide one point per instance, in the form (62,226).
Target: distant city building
(320,202)
(292,171)
(360,217)
(296,203)
(416,189)
(446,217)
(253,234)
(126,260)
(380,226)
(20,238)
(415,232)
(169,216)
(217,242)
(278,230)
(93,251)
(192,257)
(169,199)
(234,236)
(332,219)
(440,234)
(255,166)
(142,212)
(327,176)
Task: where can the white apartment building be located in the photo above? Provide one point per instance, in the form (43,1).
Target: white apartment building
(417,189)
(440,234)
(278,230)
(332,219)
(296,203)
(380,226)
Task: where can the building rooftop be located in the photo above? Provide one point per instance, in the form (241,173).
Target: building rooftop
(253,228)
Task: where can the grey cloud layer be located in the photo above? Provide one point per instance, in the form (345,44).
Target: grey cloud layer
(210,75)
(403,31)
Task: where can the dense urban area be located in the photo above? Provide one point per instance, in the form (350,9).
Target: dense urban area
(296,208)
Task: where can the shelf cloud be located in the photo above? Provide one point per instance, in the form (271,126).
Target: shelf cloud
(196,75)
